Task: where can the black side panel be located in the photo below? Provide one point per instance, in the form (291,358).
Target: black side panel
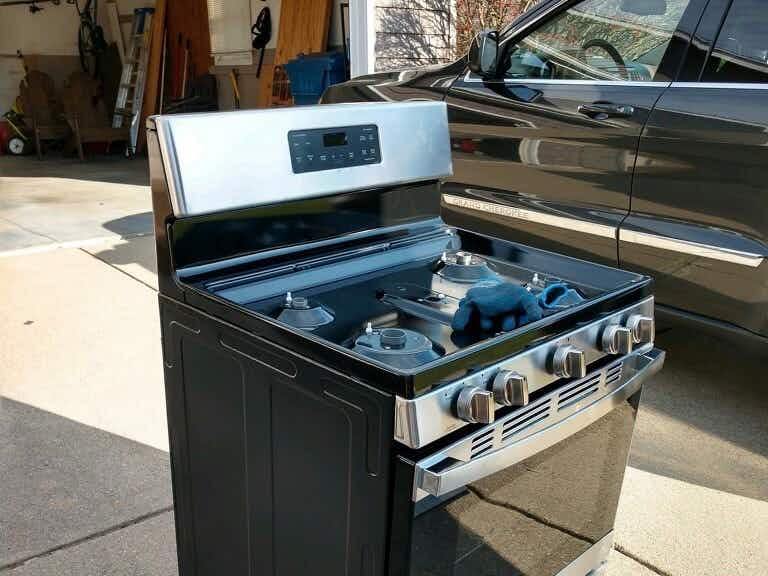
(214,384)
(161,208)
(328,438)
(280,465)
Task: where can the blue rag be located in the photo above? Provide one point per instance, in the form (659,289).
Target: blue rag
(501,307)
(559,295)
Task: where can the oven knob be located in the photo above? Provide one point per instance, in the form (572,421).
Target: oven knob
(642,327)
(617,340)
(475,405)
(569,362)
(510,389)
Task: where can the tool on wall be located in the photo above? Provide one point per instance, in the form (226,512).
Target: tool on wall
(262,34)
(344,14)
(184,70)
(235,88)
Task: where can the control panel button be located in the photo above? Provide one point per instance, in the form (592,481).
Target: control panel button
(569,362)
(616,340)
(475,405)
(333,148)
(643,328)
(510,389)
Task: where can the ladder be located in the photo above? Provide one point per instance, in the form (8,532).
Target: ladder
(130,93)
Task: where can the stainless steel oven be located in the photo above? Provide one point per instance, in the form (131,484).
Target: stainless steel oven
(326,417)
(534,493)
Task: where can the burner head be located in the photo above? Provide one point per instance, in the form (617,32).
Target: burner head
(397,347)
(466,267)
(299,313)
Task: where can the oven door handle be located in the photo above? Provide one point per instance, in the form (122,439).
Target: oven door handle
(459,474)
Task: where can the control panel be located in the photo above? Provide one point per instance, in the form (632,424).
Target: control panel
(512,382)
(330,148)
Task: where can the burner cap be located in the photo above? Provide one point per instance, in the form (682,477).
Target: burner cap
(299,303)
(397,347)
(466,267)
(299,313)
(393,338)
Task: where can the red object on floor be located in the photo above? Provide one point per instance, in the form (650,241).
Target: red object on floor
(5,135)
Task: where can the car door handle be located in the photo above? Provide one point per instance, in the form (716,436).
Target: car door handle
(604,110)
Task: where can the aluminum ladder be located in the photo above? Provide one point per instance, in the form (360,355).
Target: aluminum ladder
(130,93)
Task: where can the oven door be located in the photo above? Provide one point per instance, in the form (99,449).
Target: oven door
(534,493)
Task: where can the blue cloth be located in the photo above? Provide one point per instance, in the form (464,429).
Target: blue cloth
(558,295)
(501,307)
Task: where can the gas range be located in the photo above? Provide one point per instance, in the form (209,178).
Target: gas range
(317,389)
(394,321)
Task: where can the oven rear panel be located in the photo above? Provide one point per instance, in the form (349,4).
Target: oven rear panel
(531,519)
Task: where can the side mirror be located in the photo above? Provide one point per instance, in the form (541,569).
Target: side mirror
(484,53)
(644,7)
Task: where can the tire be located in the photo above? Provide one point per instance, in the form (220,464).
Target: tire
(17,146)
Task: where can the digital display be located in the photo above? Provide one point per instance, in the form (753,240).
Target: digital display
(335,139)
(333,147)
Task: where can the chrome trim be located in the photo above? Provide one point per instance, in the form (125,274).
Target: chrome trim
(420,421)
(592,561)
(250,152)
(469,78)
(171,169)
(720,85)
(563,413)
(750,259)
(584,226)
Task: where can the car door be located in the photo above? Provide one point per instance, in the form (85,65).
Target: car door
(544,152)
(699,219)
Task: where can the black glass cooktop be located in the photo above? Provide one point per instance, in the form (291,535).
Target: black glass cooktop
(402,316)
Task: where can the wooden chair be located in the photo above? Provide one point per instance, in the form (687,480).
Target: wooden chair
(41,106)
(87,115)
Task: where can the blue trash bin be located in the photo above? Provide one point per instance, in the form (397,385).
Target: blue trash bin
(311,74)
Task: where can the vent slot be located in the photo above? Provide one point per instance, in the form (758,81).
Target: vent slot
(481,443)
(577,393)
(614,374)
(524,421)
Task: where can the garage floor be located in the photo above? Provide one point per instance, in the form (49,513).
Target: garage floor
(86,483)
(64,201)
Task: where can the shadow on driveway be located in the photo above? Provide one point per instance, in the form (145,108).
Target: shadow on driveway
(704,418)
(113,169)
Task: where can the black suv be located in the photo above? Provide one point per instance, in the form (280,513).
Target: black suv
(633,132)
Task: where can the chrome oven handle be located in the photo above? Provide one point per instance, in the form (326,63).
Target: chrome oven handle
(440,483)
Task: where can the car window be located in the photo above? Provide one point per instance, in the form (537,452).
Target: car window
(598,40)
(741,50)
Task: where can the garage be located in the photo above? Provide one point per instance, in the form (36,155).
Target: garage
(78,79)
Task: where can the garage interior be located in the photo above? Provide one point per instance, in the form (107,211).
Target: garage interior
(155,57)
(77,76)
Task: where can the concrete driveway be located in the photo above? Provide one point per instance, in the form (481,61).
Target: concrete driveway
(61,202)
(86,483)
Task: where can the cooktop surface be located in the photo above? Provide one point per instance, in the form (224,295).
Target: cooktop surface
(402,316)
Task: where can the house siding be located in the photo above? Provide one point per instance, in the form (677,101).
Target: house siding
(414,33)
